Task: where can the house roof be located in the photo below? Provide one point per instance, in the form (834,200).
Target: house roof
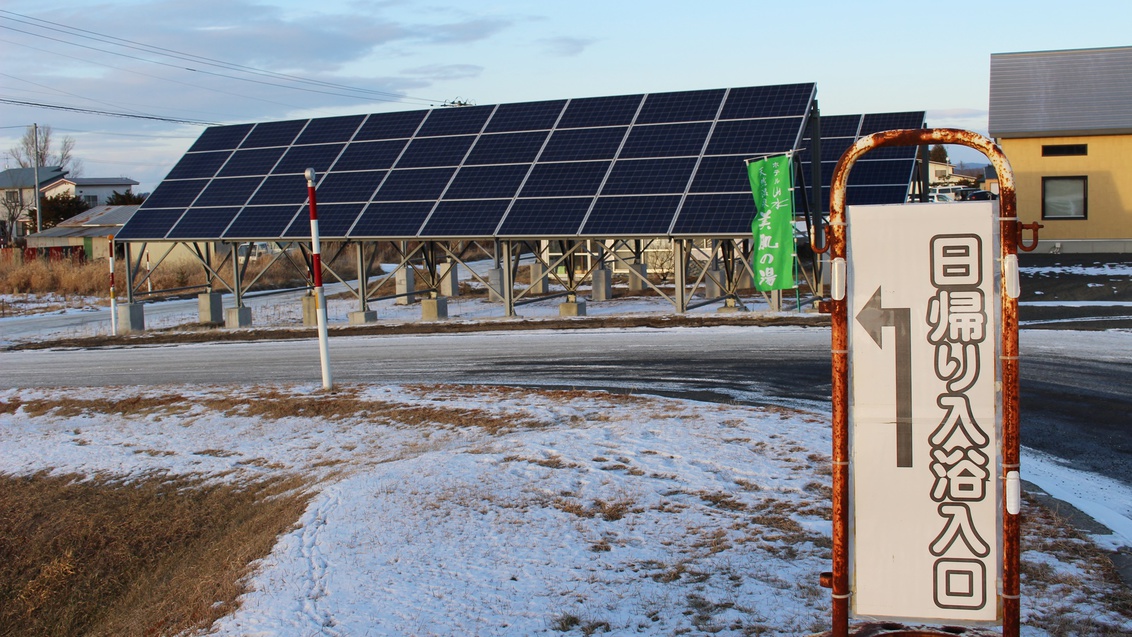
(101,217)
(1061,93)
(13,178)
(93,181)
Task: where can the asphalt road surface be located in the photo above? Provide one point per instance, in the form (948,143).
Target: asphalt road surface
(1073,408)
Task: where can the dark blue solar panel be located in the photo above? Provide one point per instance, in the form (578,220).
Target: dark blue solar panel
(396,219)
(221,138)
(565,180)
(831,149)
(390,125)
(327,130)
(722,174)
(873,172)
(198,165)
(839,125)
(582,144)
(826,171)
(263,222)
(203,223)
(234,191)
(876,122)
(525,116)
(871,195)
(333,221)
(507,148)
(273,134)
(175,194)
(715,214)
(649,176)
(686,106)
(411,185)
(345,187)
(601,111)
(487,182)
(464,120)
(754,136)
(435,151)
(148,225)
(370,155)
(477,218)
(786,100)
(906,153)
(545,217)
(281,189)
(666,140)
(631,216)
(251,162)
(299,158)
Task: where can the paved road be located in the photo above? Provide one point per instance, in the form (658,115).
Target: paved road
(1073,408)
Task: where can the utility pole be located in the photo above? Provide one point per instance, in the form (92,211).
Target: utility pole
(35,161)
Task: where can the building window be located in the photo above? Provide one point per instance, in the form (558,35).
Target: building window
(90,200)
(1065,197)
(1065,150)
(12,197)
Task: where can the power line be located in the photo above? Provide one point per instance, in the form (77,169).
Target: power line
(359,93)
(90,111)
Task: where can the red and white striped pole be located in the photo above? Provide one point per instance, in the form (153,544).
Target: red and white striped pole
(319,295)
(113,299)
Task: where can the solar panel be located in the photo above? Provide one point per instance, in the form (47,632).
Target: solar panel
(624,165)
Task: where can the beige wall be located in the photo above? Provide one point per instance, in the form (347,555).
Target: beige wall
(1108,166)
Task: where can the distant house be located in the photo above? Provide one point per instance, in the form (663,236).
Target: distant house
(1064,120)
(88,231)
(17,198)
(92,190)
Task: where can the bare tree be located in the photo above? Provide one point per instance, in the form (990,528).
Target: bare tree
(11,210)
(23,153)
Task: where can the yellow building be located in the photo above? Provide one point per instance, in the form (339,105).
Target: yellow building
(1064,120)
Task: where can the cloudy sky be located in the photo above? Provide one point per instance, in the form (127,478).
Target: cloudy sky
(229,61)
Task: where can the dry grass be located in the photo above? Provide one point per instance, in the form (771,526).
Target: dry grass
(149,556)
(93,278)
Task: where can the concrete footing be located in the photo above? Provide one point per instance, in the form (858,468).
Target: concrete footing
(637,283)
(210,307)
(450,280)
(131,318)
(238,317)
(537,273)
(434,309)
(602,282)
(406,283)
(572,308)
(310,310)
(730,306)
(361,317)
(495,282)
(713,290)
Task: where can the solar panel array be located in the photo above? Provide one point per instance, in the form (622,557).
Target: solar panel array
(661,164)
(882,175)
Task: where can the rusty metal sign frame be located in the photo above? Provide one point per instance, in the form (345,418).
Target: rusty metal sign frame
(1010,241)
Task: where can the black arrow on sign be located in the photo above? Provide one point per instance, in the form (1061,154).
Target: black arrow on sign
(873,317)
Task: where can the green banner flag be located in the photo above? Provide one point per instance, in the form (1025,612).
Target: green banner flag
(773,226)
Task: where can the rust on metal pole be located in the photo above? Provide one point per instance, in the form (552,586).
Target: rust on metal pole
(1009,240)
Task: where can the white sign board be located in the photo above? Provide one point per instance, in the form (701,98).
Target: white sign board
(924,417)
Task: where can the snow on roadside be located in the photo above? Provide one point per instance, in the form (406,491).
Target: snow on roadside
(494,511)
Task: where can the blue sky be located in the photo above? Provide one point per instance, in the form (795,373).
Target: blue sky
(872,56)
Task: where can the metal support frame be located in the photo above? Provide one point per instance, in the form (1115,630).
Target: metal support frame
(1010,237)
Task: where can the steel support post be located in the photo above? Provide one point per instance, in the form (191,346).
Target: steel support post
(508,284)
(363,278)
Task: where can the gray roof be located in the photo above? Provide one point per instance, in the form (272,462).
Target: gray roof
(1061,93)
(99,181)
(101,216)
(25,177)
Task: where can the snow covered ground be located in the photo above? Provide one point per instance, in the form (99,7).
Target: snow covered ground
(446,510)
(495,511)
